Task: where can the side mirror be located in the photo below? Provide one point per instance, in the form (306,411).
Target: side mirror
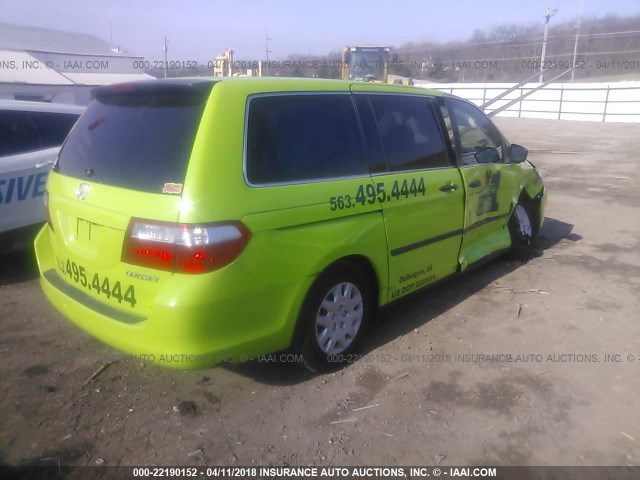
(517,153)
(487,155)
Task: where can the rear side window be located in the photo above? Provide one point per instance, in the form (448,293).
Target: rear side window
(18,133)
(134,141)
(410,133)
(297,138)
(53,127)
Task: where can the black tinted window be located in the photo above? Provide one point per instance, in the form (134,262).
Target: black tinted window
(136,141)
(18,133)
(53,127)
(410,132)
(373,143)
(31,98)
(293,138)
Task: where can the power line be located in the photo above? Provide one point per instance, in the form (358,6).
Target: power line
(524,57)
(616,52)
(465,45)
(506,44)
(529,57)
(597,34)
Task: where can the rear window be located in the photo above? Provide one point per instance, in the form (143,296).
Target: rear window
(22,131)
(53,127)
(18,133)
(134,141)
(296,138)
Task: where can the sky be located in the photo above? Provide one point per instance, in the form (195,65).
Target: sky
(200,29)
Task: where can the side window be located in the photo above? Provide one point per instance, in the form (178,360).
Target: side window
(18,134)
(293,138)
(480,140)
(373,143)
(53,127)
(31,98)
(444,111)
(410,132)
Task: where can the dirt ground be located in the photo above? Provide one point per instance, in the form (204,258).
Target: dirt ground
(430,397)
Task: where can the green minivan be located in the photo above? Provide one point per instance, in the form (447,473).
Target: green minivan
(199,221)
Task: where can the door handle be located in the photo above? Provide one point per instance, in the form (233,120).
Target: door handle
(449,187)
(475,184)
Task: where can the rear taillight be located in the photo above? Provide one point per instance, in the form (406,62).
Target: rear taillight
(184,248)
(46,209)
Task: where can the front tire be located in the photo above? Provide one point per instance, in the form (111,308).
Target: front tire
(521,230)
(334,316)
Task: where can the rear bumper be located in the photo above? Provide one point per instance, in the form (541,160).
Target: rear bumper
(224,318)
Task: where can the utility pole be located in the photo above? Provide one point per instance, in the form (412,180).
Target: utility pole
(548,13)
(110,27)
(266,46)
(165,57)
(575,46)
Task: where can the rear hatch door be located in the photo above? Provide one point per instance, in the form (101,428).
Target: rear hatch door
(126,158)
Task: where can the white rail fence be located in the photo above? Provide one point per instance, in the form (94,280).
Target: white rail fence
(599,102)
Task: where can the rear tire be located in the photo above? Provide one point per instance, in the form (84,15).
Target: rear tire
(333,318)
(522,233)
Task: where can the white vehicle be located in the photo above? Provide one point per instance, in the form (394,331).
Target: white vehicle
(30,137)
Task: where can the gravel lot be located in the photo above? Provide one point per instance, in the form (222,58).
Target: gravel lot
(431,397)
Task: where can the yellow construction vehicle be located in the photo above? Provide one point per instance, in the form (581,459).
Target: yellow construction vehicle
(366,64)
